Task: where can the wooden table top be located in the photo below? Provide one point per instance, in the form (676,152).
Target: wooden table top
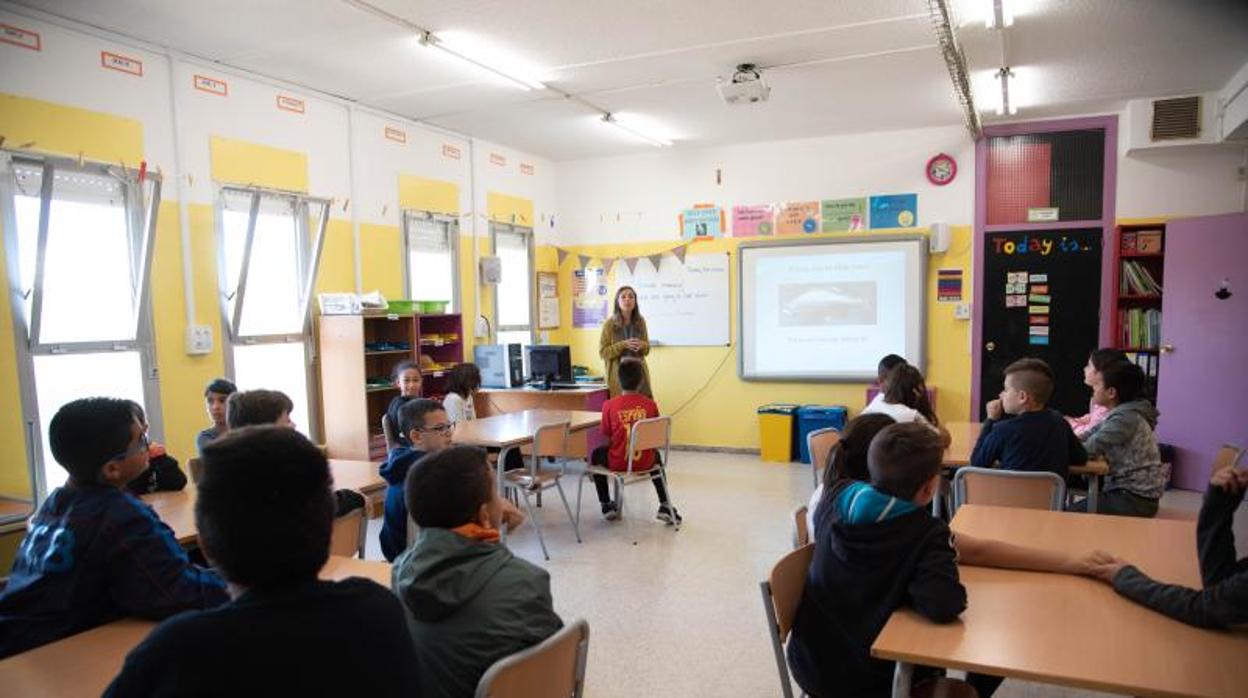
(514,428)
(178,508)
(965,434)
(84,664)
(580,390)
(1071,630)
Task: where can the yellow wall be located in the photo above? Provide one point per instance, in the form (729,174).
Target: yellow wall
(699,385)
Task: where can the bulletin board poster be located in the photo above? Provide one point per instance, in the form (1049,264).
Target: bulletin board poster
(798,218)
(752,221)
(701,223)
(844,214)
(590,299)
(895,211)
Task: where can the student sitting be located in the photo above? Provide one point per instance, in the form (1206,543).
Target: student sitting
(264,407)
(215,395)
(94,553)
(407,377)
(1126,441)
(462,385)
(470,602)
(1097,361)
(425,424)
(1021,433)
(163,473)
(882,369)
(265,513)
(618,415)
(1224,600)
(904,397)
(848,460)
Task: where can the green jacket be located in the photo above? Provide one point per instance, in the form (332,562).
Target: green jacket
(468,605)
(611,349)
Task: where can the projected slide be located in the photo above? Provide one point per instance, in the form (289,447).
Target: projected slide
(829,311)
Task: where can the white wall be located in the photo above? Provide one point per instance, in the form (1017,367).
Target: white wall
(634,198)
(1179,182)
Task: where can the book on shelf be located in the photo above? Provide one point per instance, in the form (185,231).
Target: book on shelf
(1127,242)
(1147,361)
(1148,241)
(1136,280)
(1139,328)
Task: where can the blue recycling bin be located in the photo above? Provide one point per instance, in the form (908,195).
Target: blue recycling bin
(812,417)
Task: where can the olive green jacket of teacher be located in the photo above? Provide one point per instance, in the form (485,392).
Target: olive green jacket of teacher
(611,348)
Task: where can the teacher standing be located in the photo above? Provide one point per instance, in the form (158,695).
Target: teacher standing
(624,337)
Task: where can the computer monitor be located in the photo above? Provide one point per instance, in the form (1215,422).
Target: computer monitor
(550,363)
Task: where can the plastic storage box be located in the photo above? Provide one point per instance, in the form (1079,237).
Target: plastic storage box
(812,417)
(777,431)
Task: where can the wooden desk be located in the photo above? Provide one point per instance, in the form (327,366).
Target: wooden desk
(965,434)
(495,401)
(15,509)
(1071,630)
(178,508)
(84,664)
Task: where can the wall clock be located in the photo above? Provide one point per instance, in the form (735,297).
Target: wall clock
(941,169)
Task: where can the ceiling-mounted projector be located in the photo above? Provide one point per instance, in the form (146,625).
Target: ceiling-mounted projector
(746,86)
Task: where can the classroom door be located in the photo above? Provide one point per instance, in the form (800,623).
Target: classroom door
(1202,379)
(1041,299)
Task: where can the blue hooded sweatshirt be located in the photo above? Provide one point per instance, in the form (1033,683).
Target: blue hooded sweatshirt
(394,522)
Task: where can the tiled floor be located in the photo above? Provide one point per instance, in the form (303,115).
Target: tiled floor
(679,613)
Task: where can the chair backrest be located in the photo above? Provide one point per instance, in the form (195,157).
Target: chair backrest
(554,668)
(801,532)
(786,582)
(196,468)
(647,434)
(1008,488)
(347,538)
(551,440)
(1227,455)
(820,443)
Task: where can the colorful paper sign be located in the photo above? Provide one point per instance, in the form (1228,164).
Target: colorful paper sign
(1038,339)
(749,221)
(451,152)
(395,134)
(798,218)
(290,104)
(844,214)
(17,36)
(701,223)
(214,86)
(590,298)
(948,284)
(895,211)
(120,63)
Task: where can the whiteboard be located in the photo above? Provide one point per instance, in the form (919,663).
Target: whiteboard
(684,304)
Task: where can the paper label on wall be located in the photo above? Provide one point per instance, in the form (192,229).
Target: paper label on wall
(1038,309)
(1039,288)
(1039,278)
(798,218)
(291,104)
(1041,215)
(1038,329)
(203,83)
(1038,339)
(895,211)
(844,214)
(749,221)
(526,169)
(1039,319)
(701,223)
(590,302)
(498,159)
(948,285)
(17,36)
(1038,298)
(451,152)
(547,313)
(395,134)
(120,63)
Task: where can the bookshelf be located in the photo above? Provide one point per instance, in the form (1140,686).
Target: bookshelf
(357,356)
(1139,282)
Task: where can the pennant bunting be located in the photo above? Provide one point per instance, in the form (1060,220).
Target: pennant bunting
(631,263)
(656,260)
(562,254)
(680,253)
(584,259)
(607,264)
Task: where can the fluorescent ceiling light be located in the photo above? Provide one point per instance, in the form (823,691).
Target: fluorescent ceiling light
(470,50)
(631,128)
(970,12)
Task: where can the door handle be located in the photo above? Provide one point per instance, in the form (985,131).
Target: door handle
(1167,349)
(990,346)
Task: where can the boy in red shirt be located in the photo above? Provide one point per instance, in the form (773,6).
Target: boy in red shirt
(618,415)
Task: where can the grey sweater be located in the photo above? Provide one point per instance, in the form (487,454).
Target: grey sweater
(1126,441)
(1224,600)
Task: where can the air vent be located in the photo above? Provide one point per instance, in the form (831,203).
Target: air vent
(1176,118)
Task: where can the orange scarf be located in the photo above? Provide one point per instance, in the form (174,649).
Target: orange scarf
(476,531)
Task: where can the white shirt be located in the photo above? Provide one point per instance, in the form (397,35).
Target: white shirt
(899,412)
(459,409)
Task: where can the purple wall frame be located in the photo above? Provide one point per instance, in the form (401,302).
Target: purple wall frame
(1106,223)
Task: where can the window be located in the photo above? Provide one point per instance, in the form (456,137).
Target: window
(270,246)
(431,268)
(513,296)
(78,241)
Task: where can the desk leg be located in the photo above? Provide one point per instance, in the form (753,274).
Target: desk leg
(1094,492)
(903,675)
(502,458)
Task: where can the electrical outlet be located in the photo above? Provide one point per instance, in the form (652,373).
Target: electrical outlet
(962,311)
(198,340)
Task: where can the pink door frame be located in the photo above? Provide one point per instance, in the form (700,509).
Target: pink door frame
(1105,222)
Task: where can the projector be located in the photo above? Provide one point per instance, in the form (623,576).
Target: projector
(746,86)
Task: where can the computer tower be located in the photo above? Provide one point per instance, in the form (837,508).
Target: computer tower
(502,365)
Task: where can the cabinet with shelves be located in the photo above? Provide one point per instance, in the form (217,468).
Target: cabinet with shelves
(1139,282)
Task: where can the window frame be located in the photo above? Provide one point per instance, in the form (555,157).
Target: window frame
(531,327)
(451,227)
(309,250)
(142,210)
